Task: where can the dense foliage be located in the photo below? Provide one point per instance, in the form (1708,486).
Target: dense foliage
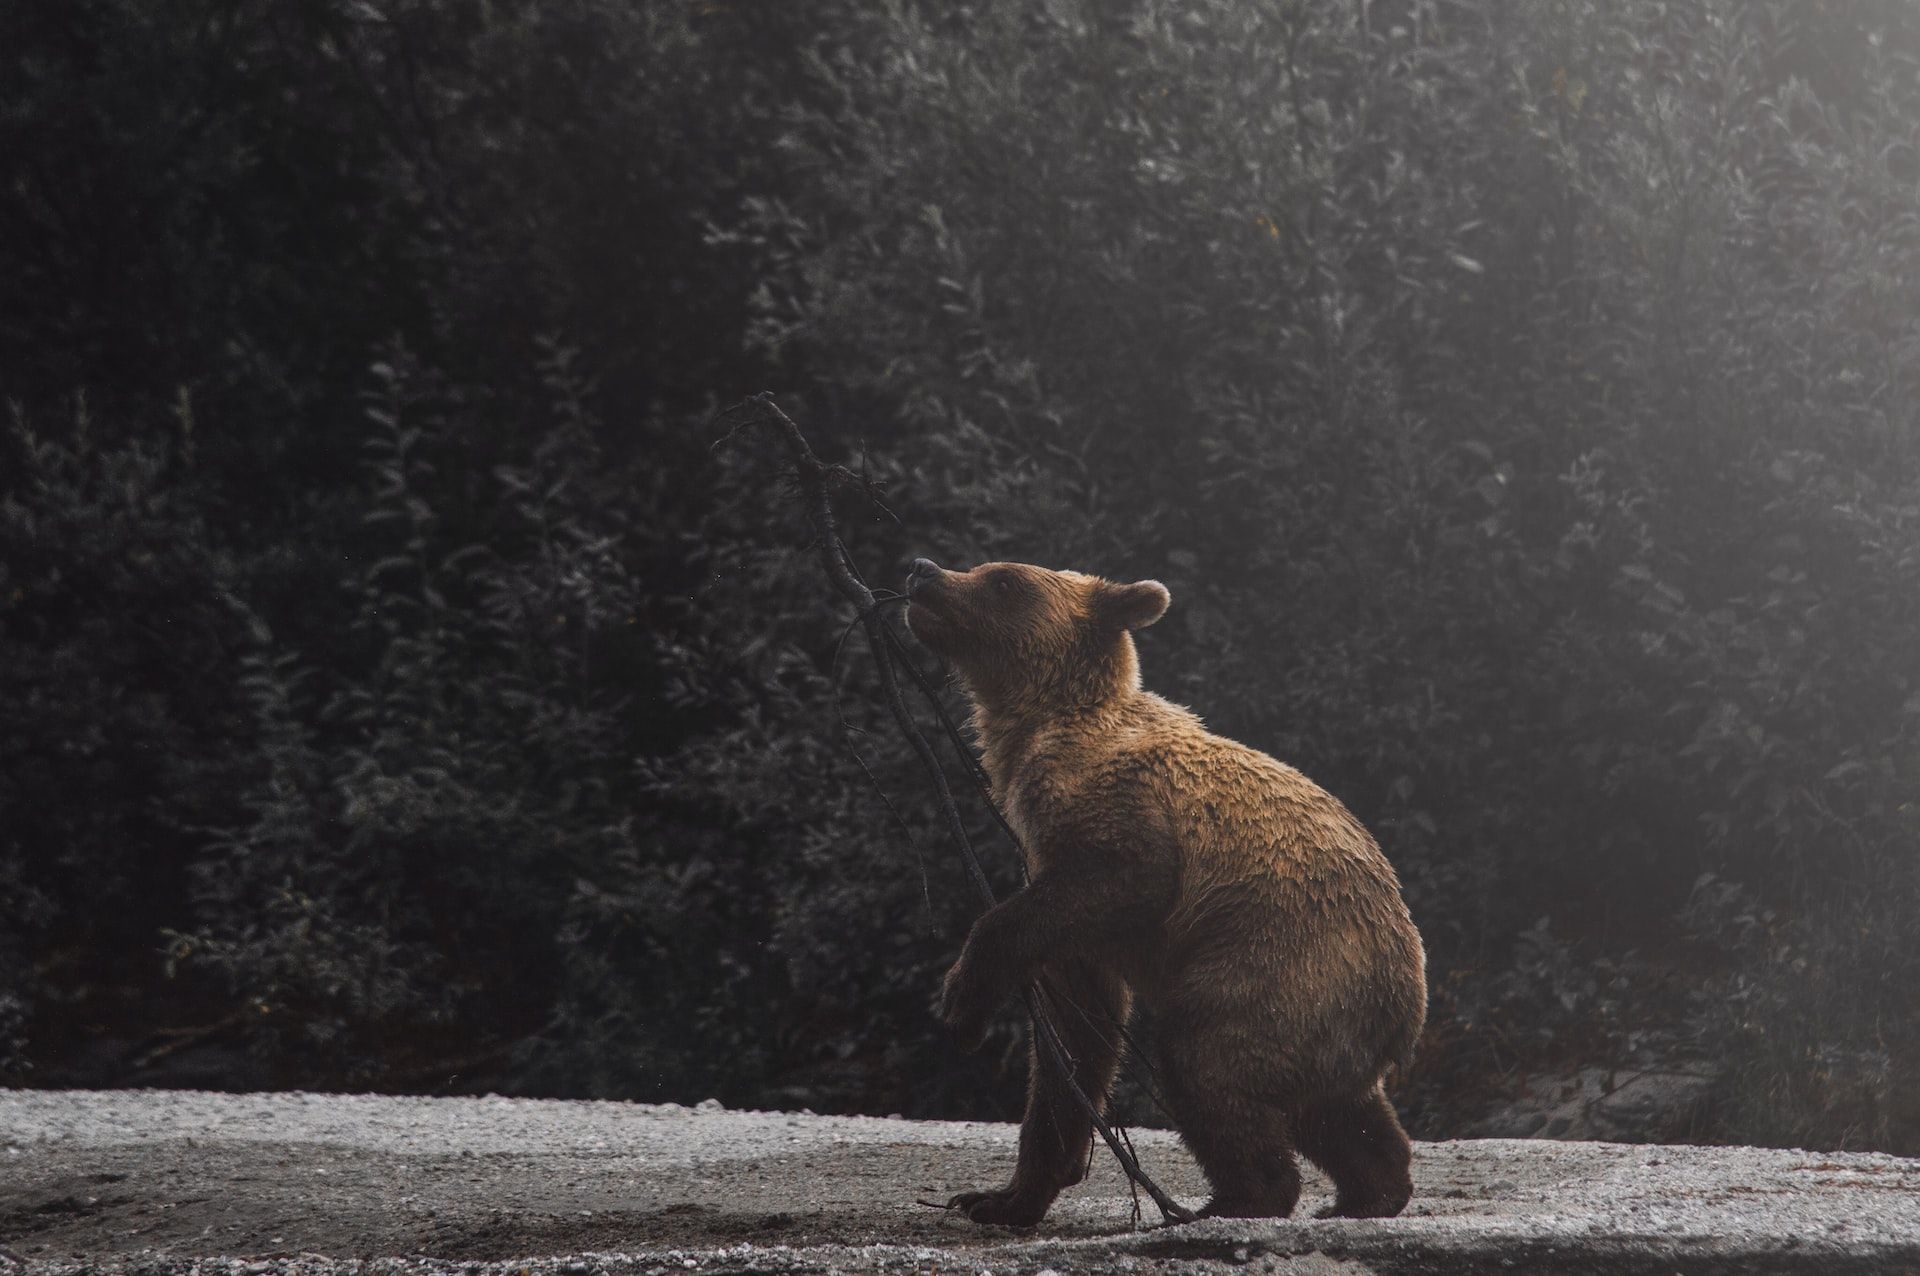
(1517,399)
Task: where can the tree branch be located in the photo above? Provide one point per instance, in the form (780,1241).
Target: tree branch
(814,476)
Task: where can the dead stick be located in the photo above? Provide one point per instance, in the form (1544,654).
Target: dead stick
(814,476)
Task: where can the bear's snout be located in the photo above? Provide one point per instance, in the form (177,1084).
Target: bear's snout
(924,570)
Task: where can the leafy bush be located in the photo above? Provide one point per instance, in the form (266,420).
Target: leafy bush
(1504,402)
(400,814)
(1516,399)
(118,616)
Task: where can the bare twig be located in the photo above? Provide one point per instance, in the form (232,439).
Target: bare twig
(888,652)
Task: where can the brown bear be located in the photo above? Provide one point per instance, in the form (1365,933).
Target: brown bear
(1237,899)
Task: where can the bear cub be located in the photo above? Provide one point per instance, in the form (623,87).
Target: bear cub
(1170,866)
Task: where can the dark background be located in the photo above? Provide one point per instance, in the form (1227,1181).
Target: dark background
(396,693)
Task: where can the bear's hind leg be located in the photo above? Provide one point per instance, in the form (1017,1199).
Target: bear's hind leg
(1358,1141)
(1242,1141)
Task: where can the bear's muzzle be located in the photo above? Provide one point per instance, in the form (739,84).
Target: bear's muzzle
(924,572)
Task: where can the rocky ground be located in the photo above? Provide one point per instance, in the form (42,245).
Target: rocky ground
(163,1181)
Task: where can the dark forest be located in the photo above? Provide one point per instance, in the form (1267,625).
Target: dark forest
(399,691)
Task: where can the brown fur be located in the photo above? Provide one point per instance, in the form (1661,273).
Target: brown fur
(1239,900)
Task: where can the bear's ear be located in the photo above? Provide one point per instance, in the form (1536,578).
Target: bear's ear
(1133,606)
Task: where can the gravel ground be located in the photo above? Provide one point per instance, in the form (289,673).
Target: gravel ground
(245,1185)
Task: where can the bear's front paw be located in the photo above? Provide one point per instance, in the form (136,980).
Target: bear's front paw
(966,1004)
(1007,1207)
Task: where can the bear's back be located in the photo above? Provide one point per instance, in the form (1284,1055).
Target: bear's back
(1152,773)
(1283,906)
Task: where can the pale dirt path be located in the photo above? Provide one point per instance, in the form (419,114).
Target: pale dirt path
(159,1181)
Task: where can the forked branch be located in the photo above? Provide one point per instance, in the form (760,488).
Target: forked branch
(815,475)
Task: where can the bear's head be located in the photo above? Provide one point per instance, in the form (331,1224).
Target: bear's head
(1026,639)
